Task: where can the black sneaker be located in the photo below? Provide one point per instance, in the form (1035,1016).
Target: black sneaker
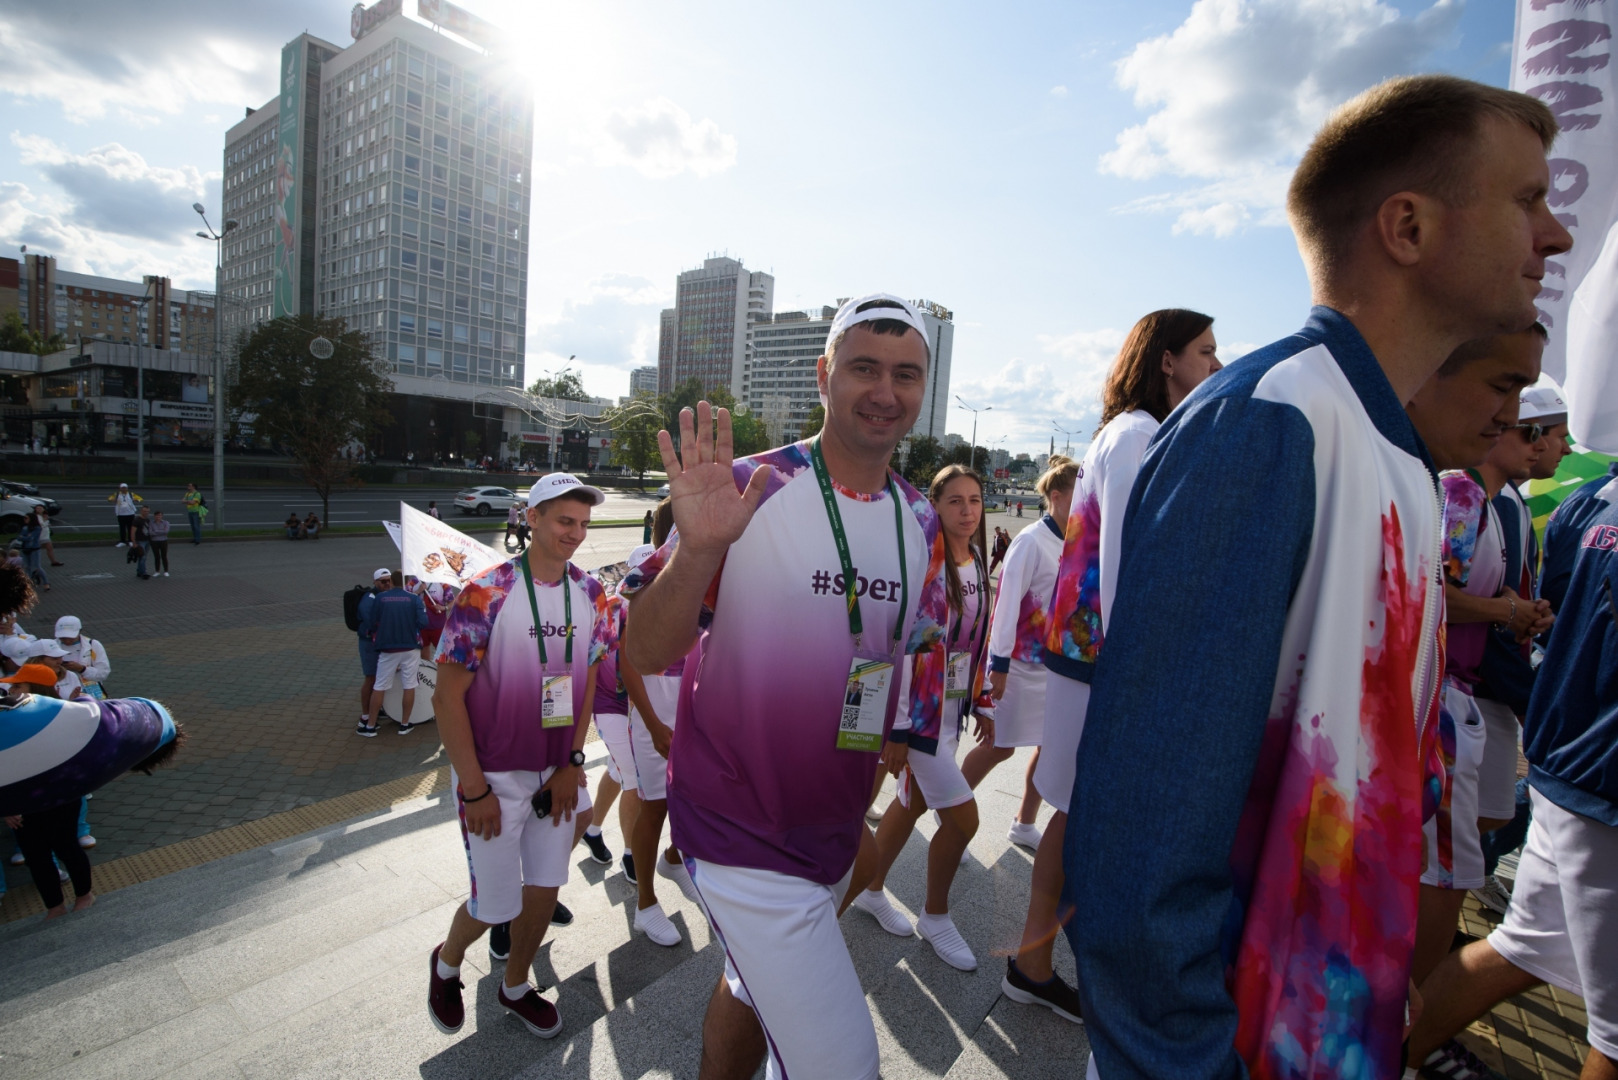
(1452,1061)
(367,730)
(405,729)
(598,849)
(1055,995)
(561,916)
(500,941)
(382,717)
(629,869)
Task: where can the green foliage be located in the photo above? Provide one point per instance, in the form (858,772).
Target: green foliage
(964,455)
(634,435)
(567,386)
(16,337)
(922,457)
(816,421)
(312,407)
(748,434)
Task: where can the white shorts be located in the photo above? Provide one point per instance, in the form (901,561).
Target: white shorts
(528,851)
(1562,925)
(1497,775)
(1019,716)
(785,957)
(614,729)
(1066,703)
(1454,846)
(652,768)
(402,664)
(938,775)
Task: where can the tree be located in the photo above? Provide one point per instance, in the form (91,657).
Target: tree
(567,386)
(748,433)
(963,454)
(313,407)
(922,461)
(634,436)
(16,337)
(816,421)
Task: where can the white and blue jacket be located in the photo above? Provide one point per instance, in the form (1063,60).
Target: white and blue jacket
(54,752)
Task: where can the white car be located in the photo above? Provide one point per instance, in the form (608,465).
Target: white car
(663,492)
(483,500)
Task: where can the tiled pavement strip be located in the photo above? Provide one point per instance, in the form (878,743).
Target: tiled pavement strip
(247,647)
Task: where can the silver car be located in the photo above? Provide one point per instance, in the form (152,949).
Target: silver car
(483,500)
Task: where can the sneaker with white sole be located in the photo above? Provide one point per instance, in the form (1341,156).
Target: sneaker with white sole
(598,849)
(656,925)
(444,1004)
(629,869)
(539,1015)
(875,903)
(87,841)
(1452,1061)
(1053,993)
(1494,895)
(939,932)
(365,730)
(677,873)
(1027,836)
(17,859)
(500,942)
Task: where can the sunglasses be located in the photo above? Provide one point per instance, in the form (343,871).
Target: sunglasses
(1531,432)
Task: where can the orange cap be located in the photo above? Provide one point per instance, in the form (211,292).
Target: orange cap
(37,674)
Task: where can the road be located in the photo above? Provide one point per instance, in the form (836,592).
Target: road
(86,508)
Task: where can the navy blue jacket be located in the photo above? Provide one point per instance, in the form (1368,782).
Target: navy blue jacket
(393,620)
(1571,734)
(1562,534)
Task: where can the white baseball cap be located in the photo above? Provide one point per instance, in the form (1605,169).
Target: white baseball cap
(16,649)
(382,573)
(68,626)
(1541,401)
(549,487)
(46,647)
(883,306)
(641,554)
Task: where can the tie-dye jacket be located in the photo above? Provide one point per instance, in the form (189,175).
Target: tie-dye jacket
(1027,580)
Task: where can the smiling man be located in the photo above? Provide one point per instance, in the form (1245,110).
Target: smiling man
(797,581)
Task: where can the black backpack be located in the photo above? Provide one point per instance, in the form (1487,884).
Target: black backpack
(351,606)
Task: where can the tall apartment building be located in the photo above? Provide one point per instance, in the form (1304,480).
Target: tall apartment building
(704,335)
(941,336)
(643,380)
(388,184)
(149,312)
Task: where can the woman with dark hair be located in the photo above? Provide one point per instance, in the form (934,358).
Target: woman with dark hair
(936,692)
(1166,356)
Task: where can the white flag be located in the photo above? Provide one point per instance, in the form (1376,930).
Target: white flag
(395,534)
(433,551)
(1563,56)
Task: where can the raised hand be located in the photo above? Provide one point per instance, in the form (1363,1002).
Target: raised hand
(709,512)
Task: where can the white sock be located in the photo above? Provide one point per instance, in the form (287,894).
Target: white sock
(514,993)
(447,972)
(365,718)
(592,830)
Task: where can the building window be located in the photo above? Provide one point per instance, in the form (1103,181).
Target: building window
(441,142)
(412,197)
(407,258)
(459,332)
(463,214)
(435,266)
(407,354)
(413,99)
(412,164)
(407,324)
(439,205)
(435,358)
(435,328)
(413,132)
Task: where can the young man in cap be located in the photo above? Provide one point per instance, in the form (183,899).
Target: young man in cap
(1562,924)
(1245,838)
(86,657)
(796,581)
(393,618)
(516,677)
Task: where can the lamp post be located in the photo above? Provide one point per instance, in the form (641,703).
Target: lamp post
(1068,447)
(140,388)
(218,358)
(972,458)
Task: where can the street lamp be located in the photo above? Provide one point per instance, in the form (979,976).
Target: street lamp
(972,459)
(218,358)
(1069,446)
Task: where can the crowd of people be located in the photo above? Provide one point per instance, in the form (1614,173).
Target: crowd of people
(1280,641)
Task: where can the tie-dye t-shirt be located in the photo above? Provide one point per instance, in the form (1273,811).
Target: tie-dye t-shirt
(495,640)
(1087,575)
(755,776)
(1474,562)
(1027,580)
(610,694)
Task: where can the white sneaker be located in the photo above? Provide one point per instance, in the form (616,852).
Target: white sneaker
(1494,895)
(677,873)
(87,841)
(655,925)
(17,859)
(1024,835)
(875,903)
(939,932)
(120,544)
(165,573)
(61,874)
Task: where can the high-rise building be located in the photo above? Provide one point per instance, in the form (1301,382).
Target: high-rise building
(780,378)
(388,184)
(150,312)
(643,380)
(941,337)
(714,307)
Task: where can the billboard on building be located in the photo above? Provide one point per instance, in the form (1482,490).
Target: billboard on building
(459,21)
(284,298)
(362,20)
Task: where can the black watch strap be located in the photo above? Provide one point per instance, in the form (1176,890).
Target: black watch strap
(576,757)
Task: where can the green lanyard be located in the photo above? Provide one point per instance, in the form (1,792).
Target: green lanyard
(851,578)
(567,608)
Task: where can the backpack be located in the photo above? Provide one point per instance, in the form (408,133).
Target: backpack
(351,606)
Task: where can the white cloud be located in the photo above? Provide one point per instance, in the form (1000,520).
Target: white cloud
(1030,398)
(610,330)
(660,140)
(1237,90)
(50,225)
(116,190)
(1058,91)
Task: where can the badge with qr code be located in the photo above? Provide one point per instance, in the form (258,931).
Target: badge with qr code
(865,705)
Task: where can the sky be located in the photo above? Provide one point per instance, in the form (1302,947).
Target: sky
(1050,172)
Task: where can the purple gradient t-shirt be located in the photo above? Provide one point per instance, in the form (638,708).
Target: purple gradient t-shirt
(755,776)
(495,640)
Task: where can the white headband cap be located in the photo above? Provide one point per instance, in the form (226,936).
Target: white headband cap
(850,315)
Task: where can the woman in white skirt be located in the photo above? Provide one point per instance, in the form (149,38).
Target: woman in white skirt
(1166,356)
(936,691)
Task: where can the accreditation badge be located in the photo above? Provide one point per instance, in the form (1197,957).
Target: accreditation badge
(865,704)
(556,701)
(958,676)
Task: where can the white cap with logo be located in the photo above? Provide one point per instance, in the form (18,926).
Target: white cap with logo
(549,487)
(68,626)
(381,573)
(1541,401)
(883,306)
(47,647)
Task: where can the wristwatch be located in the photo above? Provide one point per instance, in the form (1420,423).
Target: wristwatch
(576,757)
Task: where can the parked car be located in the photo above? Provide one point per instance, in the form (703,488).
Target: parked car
(663,492)
(483,500)
(17,487)
(15,508)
